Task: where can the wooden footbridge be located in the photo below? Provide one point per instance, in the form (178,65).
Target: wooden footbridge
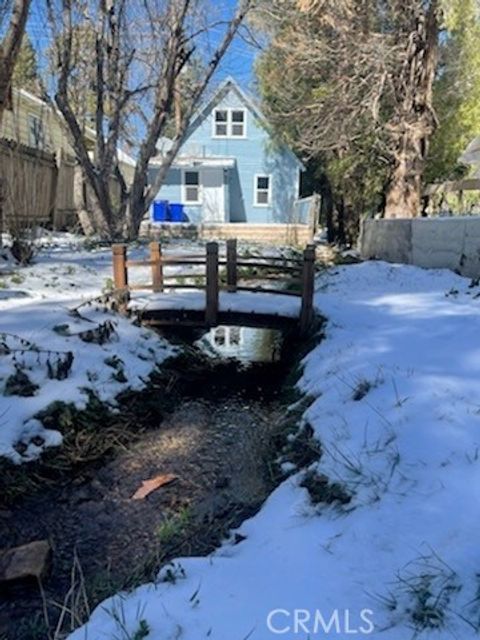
(219,288)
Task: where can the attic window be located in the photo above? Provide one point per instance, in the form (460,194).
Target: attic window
(229,123)
(238,123)
(221,123)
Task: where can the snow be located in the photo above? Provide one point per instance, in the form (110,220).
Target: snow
(404,552)
(36,299)
(242,301)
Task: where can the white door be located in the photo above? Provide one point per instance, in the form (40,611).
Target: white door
(213,195)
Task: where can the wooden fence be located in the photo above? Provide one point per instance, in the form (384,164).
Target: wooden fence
(29,180)
(296,275)
(36,186)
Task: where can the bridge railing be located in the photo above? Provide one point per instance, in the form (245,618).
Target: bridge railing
(229,271)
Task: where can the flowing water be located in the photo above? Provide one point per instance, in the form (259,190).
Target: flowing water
(245,344)
(216,437)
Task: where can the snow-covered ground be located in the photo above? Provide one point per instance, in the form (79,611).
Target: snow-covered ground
(396,405)
(37,330)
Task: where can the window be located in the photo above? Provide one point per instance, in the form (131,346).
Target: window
(229,123)
(235,336)
(221,123)
(227,336)
(238,124)
(191,182)
(36,134)
(219,336)
(262,191)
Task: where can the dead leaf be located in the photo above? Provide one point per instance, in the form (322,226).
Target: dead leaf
(152,484)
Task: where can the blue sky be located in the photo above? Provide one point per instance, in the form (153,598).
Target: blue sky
(238,62)
(240,58)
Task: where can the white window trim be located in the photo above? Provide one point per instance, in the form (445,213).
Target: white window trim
(193,203)
(255,190)
(229,123)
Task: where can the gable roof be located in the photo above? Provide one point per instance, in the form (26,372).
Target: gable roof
(30,97)
(222,89)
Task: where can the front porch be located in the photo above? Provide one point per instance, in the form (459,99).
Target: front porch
(298,235)
(205,188)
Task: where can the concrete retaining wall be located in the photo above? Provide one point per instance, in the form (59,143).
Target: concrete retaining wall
(451,243)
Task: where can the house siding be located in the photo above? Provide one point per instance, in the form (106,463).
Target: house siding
(15,127)
(256,154)
(15,123)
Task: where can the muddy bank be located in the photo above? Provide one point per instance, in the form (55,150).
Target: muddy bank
(214,425)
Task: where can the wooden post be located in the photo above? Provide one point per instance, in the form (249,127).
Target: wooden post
(211,308)
(157,266)
(232,265)
(308,287)
(120,272)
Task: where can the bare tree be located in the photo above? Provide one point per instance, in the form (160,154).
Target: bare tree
(362,77)
(140,52)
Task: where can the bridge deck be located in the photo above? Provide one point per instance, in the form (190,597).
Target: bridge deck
(253,309)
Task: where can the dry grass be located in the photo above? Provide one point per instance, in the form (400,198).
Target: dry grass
(89,435)
(322,490)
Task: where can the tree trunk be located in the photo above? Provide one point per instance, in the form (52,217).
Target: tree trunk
(135,212)
(326,210)
(80,199)
(9,49)
(352,222)
(90,216)
(340,231)
(403,195)
(414,121)
(425,205)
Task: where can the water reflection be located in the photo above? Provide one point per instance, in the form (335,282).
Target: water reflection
(243,343)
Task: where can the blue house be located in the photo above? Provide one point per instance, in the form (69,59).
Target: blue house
(230,170)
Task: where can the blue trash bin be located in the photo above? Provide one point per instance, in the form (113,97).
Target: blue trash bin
(160,211)
(176,212)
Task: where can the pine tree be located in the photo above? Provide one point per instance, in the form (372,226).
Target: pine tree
(456,91)
(25,74)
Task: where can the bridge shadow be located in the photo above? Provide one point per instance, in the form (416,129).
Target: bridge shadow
(196,319)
